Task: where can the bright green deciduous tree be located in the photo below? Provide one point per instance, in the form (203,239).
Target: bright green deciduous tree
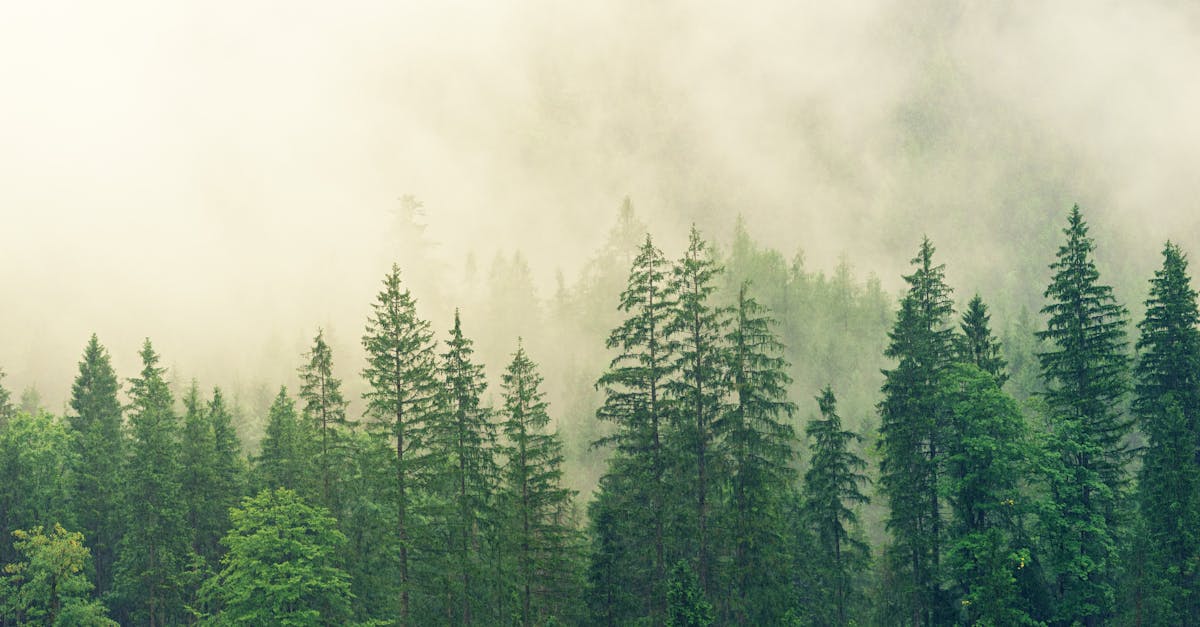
(49,586)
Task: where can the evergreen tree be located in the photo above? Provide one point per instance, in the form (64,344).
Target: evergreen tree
(281,568)
(832,492)
(401,372)
(537,506)
(36,459)
(324,411)
(49,586)
(686,604)
(6,408)
(197,450)
(634,387)
(757,450)
(977,344)
(154,550)
(283,461)
(1167,404)
(1085,373)
(99,448)
(912,434)
(697,328)
(465,438)
(229,466)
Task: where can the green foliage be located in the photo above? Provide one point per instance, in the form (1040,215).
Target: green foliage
(281,568)
(284,460)
(1085,369)
(324,413)
(50,586)
(6,407)
(36,458)
(977,344)
(686,604)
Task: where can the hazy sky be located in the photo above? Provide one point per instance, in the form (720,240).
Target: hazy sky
(220,175)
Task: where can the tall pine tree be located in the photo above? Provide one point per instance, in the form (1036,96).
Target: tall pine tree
(283,460)
(1085,371)
(324,409)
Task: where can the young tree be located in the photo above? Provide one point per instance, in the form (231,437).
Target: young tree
(686,604)
(99,449)
(283,461)
(1167,403)
(1085,370)
(537,506)
(832,492)
(401,372)
(155,548)
(757,450)
(698,327)
(281,568)
(977,344)
(49,586)
(912,435)
(324,411)
(634,387)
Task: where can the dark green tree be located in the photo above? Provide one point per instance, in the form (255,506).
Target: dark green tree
(283,461)
(632,498)
(1167,404)
(324,410)
(756,449)
(403,389)
(977,344)
(155,548)
(537,507)
(49,586)
(912,436)
(281,567)
(686,603)
(832,494)
(1085,369)
(697,328)
(6,407)
(99,449)
(197,457)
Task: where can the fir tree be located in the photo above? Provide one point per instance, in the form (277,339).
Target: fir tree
(283,461)
(401,372)
(99,446)
(155,548)
(6,407)
(977,344)
(1167,404)
(912,434)
(324,410)
(1085,372)
(197,479)
(686,603)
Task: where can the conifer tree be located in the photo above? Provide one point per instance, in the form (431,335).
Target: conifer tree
(977,344)
(6,407)
(697,327)
(832,491)
(1085,373)
(324,411)
(401,372)
(757,451)
(536,504)
(197,457)
(99,448)
(912,435)
(283,461)
(1167,404)
(686,603)
(155,548)
(632,500)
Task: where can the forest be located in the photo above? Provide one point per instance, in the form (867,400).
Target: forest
(745,442)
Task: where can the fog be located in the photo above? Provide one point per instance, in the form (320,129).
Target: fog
(225,177)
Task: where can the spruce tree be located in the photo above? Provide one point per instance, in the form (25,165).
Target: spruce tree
(1167,404)
(99,448)
(6,407)
(536,505)
(756,449)
(632,499)
(283,460)
(1085,370)
(977,344)
(324,410)
(832,492)
(401,372)
(155,548)
(912,436)
(197,479)
(697,327)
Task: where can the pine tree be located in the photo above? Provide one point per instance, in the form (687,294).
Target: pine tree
(324,410)
(99,447)
(154,550)
(632,493)
(197,478)
(401,372)
(698,390)
(977,344)
(1085,372)
(1167,405)
(536,504)
(686,603)
(757,450)
(832,492)
(283,461)
(465,438)
(912,434)
(6,408)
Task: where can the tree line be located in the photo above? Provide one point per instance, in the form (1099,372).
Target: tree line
(716,504)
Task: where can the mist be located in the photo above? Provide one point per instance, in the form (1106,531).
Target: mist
(226,178)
